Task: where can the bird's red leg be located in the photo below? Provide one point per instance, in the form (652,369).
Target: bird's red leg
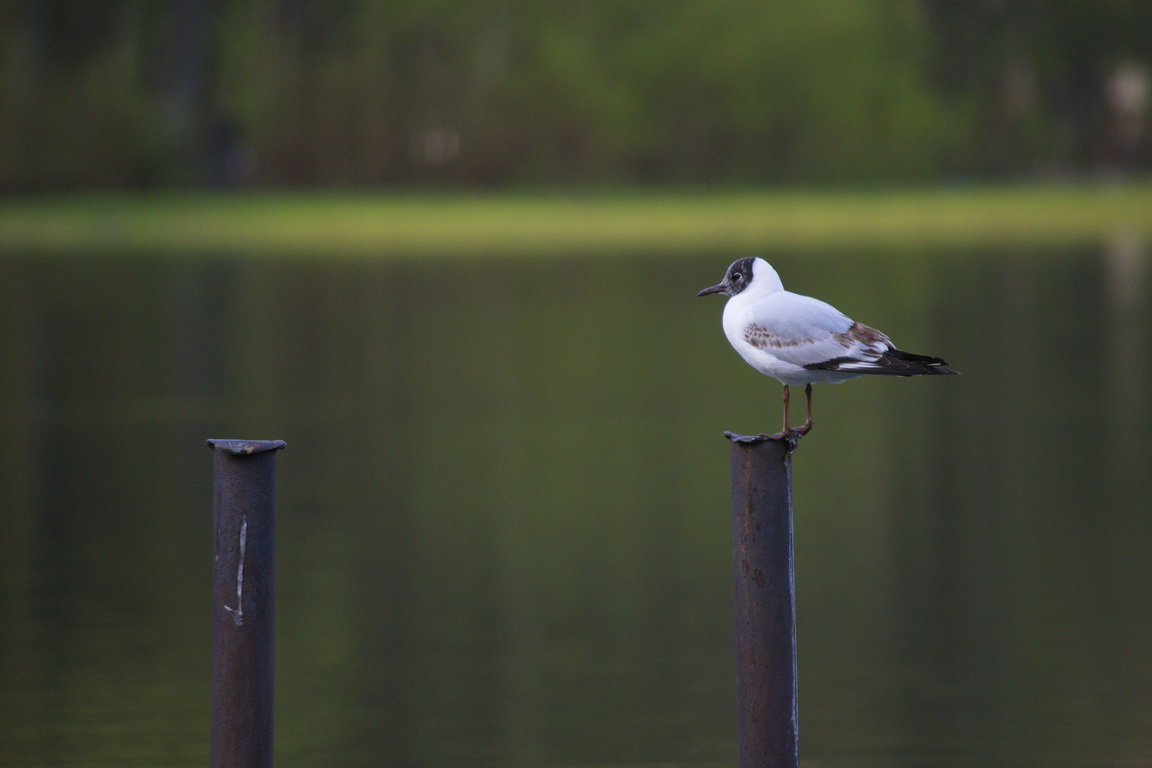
(807,426)
(790,435)
(787,397)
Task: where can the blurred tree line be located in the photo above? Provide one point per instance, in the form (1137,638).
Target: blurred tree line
(140,93)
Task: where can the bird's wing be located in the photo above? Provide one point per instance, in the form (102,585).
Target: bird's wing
(805,332)
(893,362)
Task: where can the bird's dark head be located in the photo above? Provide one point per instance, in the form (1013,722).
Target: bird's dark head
(736,279)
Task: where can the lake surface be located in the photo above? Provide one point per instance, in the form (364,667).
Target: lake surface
(504,515)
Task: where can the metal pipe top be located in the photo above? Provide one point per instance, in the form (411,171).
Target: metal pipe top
(244,447)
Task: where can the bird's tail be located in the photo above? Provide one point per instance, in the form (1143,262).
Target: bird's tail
(920,365)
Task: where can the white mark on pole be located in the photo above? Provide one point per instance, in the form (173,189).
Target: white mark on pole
(238,611)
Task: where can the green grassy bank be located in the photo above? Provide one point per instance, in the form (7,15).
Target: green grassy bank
(311,223)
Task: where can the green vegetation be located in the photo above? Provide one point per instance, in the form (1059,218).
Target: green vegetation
(130,94)
(521,223)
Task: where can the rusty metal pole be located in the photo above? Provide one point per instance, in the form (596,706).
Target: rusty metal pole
(765,601)
(244,507)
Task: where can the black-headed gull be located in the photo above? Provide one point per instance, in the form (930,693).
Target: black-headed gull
(800,340)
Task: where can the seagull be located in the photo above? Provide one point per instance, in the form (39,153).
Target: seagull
(801,340)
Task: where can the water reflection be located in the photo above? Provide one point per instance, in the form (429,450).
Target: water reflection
(503,535)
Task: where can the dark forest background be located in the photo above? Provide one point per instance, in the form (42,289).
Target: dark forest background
(142,94)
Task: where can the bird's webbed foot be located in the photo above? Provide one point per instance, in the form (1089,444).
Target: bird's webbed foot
(791,438)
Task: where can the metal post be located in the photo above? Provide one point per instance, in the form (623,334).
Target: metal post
(244,506)
(765,601)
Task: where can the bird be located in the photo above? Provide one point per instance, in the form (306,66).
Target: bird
(798,340)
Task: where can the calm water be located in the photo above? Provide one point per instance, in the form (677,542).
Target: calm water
(503,533)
